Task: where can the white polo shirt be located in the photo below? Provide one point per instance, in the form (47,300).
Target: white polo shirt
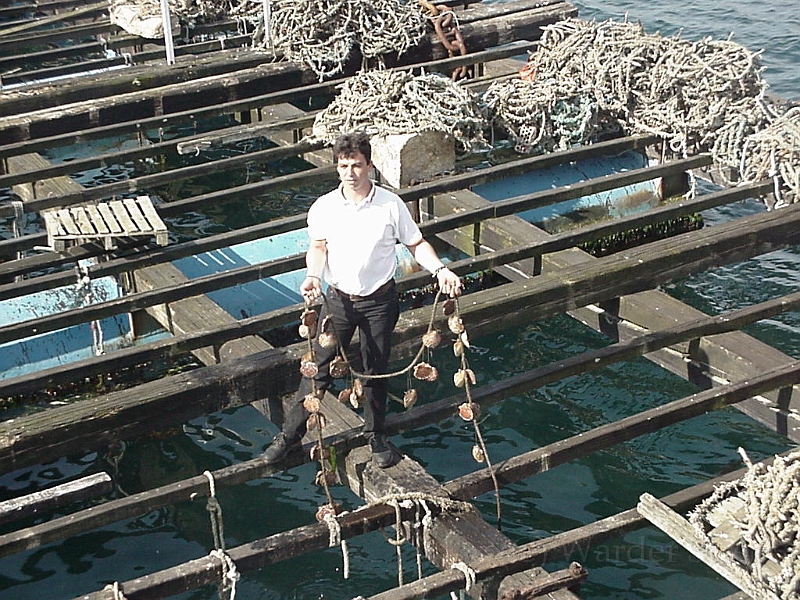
(361,238)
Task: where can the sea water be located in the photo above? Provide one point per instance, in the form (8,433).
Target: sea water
(642,564)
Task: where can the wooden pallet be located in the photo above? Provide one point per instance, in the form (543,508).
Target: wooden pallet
(104,221)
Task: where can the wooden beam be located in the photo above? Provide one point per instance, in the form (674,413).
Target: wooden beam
(469,485)
(43,501)
(681,531)
(253,325)
(219,76)
(636,270)
(69,15)
(261,270)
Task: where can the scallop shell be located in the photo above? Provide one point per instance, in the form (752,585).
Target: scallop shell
(431,339)
(304,331)
(309,318)
(315,420)
(308,368)
(469,411)
(458,347)
(325,478)
(327,510)
(344,395)
(326,325)
(477,454)
(455,324)
(326,339)
(355,399)
(449,307)
(410,398)
(311,403)
(426,372)
(464,376)
(338,368)
(314,454)
(358,388)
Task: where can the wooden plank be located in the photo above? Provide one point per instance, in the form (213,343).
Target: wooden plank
(123,218)
(465,487)
(548,294)
(70,15)
(82,221)
(179,86)
(96,217)
(43,501)
(154,222)
(64,217)
(136,215)
(731,241)
(192,314)
(734,353)
(681,531)
(315,536)
(110,219)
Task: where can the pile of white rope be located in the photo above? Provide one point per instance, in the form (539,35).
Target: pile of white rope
(322,34)
(709,95)
(397,102)
(770,529)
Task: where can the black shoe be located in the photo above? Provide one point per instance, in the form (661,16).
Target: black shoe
(382,452)
(279,448)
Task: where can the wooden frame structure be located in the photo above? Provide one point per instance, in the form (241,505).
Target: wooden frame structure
(546,275)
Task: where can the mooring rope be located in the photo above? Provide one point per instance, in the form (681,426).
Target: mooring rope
(397,102)
(469,576)
(589,78)
(116,591)
(770,527)
(335,539)
(230,574)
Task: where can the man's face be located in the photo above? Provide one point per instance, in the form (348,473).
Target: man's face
(354,172)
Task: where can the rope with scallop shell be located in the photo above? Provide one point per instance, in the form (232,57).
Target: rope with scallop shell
(422,370)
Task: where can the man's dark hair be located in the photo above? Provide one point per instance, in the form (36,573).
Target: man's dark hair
(350,144)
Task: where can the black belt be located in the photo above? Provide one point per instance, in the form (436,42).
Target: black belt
(376,294)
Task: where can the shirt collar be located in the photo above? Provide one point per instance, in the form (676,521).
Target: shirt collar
(366,200)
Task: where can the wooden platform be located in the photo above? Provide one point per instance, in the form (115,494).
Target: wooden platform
(104,221)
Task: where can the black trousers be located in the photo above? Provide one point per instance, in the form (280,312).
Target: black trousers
(374,317)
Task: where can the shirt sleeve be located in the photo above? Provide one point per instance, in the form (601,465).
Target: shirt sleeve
(316,221)
(408,232)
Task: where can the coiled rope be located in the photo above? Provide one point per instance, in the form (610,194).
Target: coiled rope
(770,526)
(397,102)
(323,34)
(589,78)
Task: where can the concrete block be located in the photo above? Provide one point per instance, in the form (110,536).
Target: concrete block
(404,159)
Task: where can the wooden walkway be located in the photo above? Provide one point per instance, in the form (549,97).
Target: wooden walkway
(545,275)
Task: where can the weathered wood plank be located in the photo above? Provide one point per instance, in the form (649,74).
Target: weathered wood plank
(734,352)
(221,76)
(607,277)
(42,501)
(681,531)
(315,536)
(261,270)
(465,487)
(70,15)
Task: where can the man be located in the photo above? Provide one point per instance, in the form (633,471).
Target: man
(353,231)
